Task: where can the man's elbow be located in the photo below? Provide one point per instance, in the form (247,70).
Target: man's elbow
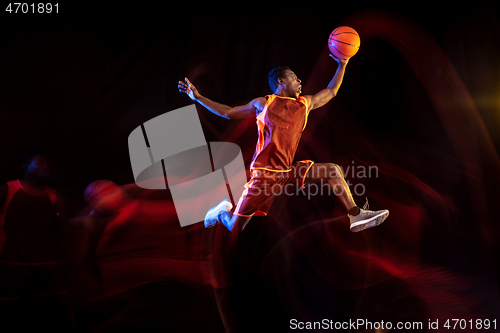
(230,114)
(331,95)
(227,114)
(333,92)
(328,99)
(235,113)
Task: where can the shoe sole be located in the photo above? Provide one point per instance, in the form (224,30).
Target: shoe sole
(370,223)
(216,211)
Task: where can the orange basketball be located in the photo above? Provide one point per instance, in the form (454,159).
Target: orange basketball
(344,42)
(102,194)
(96,189)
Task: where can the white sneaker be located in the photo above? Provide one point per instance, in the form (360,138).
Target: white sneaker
(367,219)
(212,217)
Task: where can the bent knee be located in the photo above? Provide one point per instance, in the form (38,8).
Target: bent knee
(324,171)
(334,171)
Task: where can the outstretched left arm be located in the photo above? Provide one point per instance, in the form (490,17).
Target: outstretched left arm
(325,95)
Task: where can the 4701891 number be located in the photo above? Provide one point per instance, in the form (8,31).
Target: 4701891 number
(33,8)
(478,324)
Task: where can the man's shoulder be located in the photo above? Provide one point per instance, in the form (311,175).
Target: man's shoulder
(259,103)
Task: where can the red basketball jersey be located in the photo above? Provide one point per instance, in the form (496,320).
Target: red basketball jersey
(280,127)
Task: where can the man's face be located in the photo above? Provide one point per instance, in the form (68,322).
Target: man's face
(39,167)
(291,84)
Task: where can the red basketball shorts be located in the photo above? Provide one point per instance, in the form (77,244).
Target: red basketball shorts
(265,185)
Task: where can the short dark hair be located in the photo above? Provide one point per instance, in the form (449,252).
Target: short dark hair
(275,74)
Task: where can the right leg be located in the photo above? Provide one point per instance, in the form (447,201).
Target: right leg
(256,200)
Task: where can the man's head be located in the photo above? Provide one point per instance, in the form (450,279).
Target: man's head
(36,166)
(283,81)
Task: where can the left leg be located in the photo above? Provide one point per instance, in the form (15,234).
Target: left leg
(360,219)
(222,213)
(332,173)
(234,221)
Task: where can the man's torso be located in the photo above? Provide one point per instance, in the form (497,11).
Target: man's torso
(280,125)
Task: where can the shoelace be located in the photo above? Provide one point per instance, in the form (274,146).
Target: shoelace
(366,206)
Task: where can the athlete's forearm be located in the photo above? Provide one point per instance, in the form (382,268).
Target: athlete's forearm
(216,108)
(325,95)
(336,81)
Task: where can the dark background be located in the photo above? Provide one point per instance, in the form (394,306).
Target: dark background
(76,83)
(73,85)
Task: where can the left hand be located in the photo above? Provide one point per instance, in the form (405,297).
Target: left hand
(340,61)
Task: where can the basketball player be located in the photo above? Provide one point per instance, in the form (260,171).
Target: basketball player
(281,118)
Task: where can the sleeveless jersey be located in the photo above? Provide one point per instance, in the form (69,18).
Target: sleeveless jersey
(280,126)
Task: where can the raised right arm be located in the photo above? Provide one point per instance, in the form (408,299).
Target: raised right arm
(222,110)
